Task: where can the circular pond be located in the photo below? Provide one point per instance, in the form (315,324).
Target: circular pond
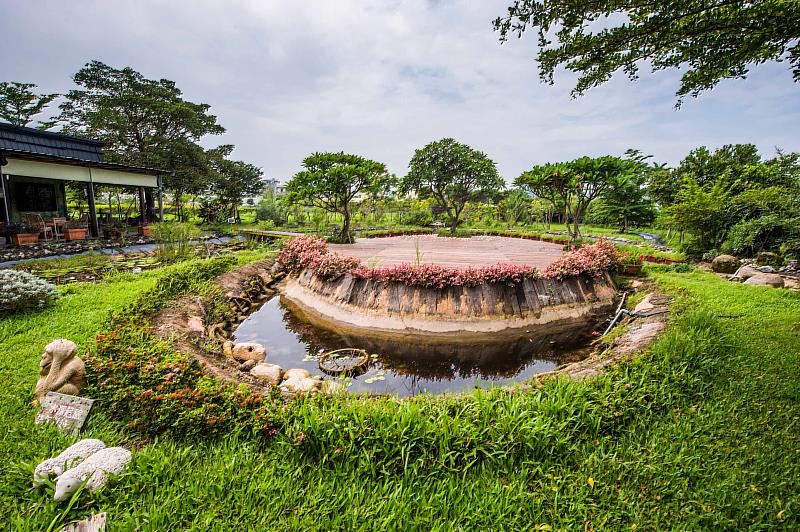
(408,365)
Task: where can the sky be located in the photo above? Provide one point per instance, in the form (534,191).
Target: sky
(381,78)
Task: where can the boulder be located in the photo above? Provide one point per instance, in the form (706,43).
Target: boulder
(767,258)
(766,279)
(746,272)
(725,264)
(300,385)
(248,351)
(297,373)
(269,373)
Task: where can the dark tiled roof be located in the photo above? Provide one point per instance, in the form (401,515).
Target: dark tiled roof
(29,140)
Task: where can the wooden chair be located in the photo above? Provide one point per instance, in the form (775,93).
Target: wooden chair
(34,219)
(58,223)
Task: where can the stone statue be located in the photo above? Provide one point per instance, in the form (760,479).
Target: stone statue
(94,471)
(60,370)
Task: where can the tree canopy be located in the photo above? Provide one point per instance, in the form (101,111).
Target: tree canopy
(710,40)
(141,121)
(19,103)
(331,181)
(575,184)
(452,174)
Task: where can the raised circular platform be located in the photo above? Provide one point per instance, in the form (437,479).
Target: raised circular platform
(449,251)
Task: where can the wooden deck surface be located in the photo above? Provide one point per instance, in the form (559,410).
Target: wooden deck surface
(460,252)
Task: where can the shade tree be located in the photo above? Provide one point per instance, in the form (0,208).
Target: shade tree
(574,185)
(20,102)
(451,174)
(331,181)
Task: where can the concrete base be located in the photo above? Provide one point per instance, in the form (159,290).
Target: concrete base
(378,310)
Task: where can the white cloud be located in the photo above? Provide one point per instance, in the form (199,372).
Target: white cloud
(383,78)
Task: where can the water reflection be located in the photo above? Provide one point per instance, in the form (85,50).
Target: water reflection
(406,365)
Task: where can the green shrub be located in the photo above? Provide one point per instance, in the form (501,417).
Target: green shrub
(175,240)
(19,290)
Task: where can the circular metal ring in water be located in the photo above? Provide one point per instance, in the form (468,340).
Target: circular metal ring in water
(349,362)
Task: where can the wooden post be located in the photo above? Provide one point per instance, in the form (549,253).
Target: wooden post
(94,227)
(160,199)
(142,208)
(6,204)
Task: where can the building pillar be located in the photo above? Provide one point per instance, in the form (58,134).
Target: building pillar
(142,208)
(160,199)
(6,204)
(94,227)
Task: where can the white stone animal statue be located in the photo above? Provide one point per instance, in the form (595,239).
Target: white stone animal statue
(69,457)
(96,468)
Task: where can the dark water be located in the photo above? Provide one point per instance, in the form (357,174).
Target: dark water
(407,366)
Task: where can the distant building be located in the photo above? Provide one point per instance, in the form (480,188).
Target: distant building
(274,187)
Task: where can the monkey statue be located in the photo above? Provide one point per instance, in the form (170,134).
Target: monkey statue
(60,370)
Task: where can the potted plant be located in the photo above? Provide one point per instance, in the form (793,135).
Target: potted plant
(24,235)
(75,231)
(113,231)
(632,263)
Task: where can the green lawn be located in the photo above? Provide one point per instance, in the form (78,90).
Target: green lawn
(700,433)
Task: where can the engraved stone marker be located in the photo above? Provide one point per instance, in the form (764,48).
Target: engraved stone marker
(67,411)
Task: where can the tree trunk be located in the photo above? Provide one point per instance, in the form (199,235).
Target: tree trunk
(345,234)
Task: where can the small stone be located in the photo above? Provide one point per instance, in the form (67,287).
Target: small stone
(247,365)
(195,325)
(725,264)
(249,351)
(227,349)
(298,385)
(297,373)
(270,373)
(766,279)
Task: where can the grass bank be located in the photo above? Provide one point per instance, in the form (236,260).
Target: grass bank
(701,432)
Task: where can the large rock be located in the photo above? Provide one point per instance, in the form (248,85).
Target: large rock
(299,385)
(297,373)
(767,258)
(725,264)
(746,272)
(269,373)
(248,351)
(766,279)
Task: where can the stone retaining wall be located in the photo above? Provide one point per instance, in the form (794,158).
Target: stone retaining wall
(452,313)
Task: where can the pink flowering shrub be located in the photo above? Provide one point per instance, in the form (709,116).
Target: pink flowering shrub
(298,252)
(435,276)
(311,252)
(593,260)
(331,265)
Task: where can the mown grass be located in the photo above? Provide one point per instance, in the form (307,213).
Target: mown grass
(700,433)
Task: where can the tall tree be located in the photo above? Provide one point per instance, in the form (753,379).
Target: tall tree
(331,181)
(19,103)
(452,174)
(140,121)
(710,40)
(575,184)
(232,181)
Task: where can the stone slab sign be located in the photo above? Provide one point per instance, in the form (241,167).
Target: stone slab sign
(95,523)
(67,411)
